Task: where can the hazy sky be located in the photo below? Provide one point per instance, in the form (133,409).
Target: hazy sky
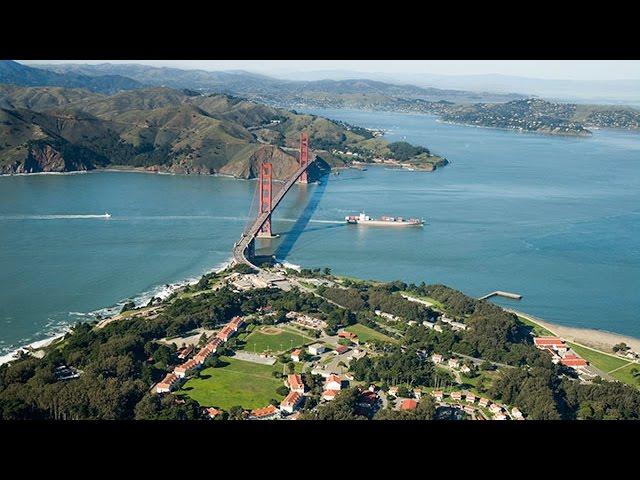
(548,69)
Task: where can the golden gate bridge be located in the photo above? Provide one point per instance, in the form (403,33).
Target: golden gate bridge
(244,249)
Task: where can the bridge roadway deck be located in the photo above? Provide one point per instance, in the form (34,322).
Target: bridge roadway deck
(249,235)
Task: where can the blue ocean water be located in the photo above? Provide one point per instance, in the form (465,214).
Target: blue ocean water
(554,219)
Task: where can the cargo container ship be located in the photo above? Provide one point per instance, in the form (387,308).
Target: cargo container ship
(363,219)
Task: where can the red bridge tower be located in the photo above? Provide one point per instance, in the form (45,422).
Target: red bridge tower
(266,181)
(304,156)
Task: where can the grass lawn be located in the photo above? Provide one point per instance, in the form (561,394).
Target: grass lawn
(625,375)
(538,330)
(435,303)
(365,333)
(250,385)
(600,360)
(261,340)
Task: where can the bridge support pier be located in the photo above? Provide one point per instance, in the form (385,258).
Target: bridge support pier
(304,156)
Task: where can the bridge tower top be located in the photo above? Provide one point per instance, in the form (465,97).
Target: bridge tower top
(304,156)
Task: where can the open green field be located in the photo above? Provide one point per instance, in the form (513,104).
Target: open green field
(248,384)
(625,375)
(618,368)
(538,330)
(273,339)
(435,303)
(365,333)
(600,360)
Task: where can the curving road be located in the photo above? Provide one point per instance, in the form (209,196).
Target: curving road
(241,246)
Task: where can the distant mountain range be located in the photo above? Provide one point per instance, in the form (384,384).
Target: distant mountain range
(506,110)
(18,74)
(264,88)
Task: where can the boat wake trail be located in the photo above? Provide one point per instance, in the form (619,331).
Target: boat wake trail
(50,217)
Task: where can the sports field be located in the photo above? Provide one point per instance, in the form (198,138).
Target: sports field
(273,339)
(247,384)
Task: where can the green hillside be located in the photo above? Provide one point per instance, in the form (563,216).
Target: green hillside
(52,129)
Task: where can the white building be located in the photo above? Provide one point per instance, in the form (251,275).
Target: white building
(316,349)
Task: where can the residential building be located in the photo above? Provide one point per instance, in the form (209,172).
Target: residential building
(573,361)
(549,342)
(186,368)
(457,396)
(500,416)
(296,355)
(316,349)
(495,408)
(417,393)
(295,383)
(167,383)
(516,413)
(329,394)
(453,362)
(266,413)
(438,395)
(185,352)
(470,398)
(484,402)
(348,335)
(291,402)
(408,404)
(437,358)
(340,349)
(333,382)
(393,391)
(213,412)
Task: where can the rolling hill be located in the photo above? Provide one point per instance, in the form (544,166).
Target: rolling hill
(53,129)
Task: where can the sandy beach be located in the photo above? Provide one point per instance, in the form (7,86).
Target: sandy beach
(597,339)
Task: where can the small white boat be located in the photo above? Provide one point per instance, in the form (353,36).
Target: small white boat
(107,215)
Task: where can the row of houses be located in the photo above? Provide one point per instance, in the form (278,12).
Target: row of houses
(499,412)
(452,362)
(171,380)
(559,351)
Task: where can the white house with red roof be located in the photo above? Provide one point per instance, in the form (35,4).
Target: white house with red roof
(296,354)
(291,402)
(269,412)
(167,384)
(549,342)
(333,382)
(295,383)
(329,394)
